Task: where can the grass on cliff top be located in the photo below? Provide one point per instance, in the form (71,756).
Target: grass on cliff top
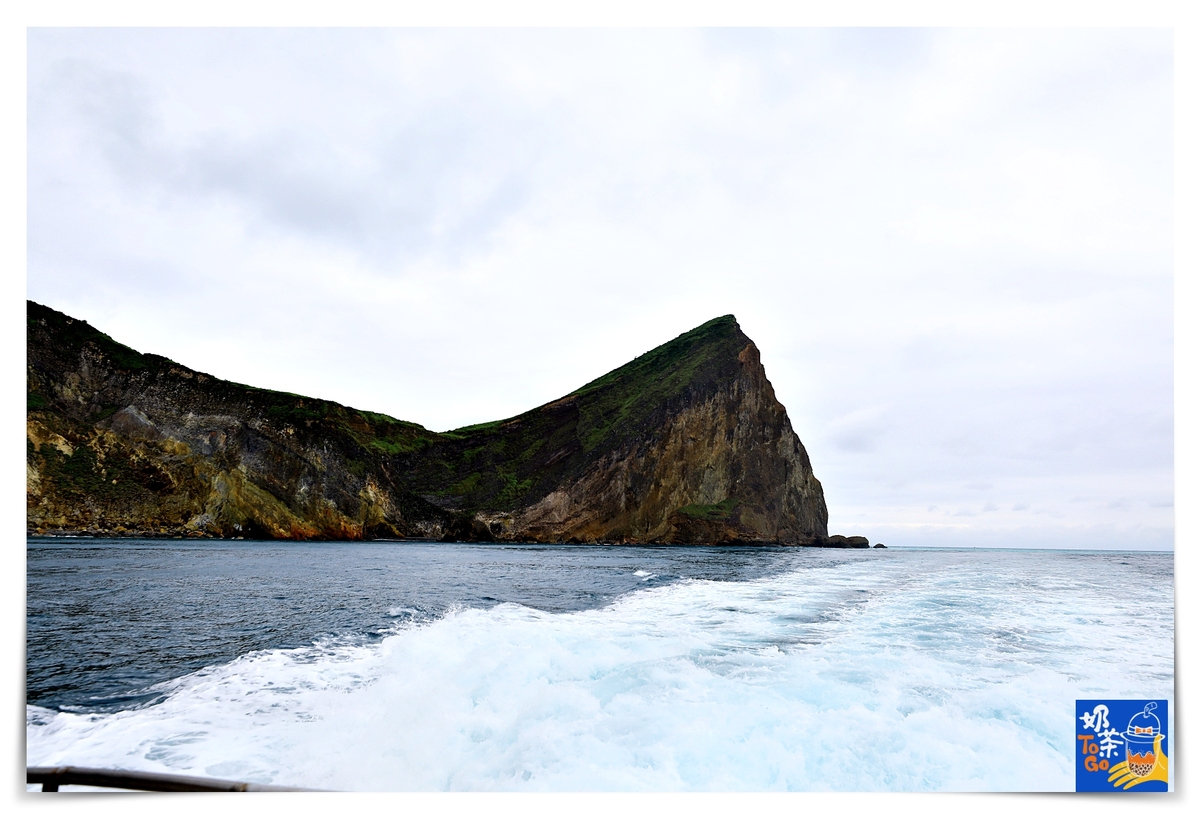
(679,352)
(501,464)
(464,432)
(625,398)
(375,431)
(73,334)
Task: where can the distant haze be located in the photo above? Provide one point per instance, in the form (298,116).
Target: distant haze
(953,247)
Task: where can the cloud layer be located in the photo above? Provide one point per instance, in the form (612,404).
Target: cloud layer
(953,247)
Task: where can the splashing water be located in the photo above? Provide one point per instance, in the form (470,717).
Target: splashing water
(905,671)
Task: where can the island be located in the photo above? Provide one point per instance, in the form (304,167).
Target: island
(685,444)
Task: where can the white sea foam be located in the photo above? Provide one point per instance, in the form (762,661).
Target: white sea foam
(854,677)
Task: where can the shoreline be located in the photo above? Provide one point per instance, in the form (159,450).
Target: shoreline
(199,537)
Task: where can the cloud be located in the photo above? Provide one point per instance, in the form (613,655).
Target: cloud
(861,429)
(953,247)
(392,189)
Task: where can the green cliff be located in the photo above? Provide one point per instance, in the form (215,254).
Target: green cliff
(687,443)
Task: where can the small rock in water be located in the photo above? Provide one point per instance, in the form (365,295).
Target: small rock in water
(880,545)
(839,541)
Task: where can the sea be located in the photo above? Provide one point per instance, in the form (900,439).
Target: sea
(420,666)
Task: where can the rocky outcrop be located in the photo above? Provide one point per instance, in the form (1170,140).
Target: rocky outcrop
(129,444)
(838,541)
(686,444)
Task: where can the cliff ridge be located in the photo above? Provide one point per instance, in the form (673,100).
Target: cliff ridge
(685,444)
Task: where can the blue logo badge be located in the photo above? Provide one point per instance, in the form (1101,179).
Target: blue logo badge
(1120,745)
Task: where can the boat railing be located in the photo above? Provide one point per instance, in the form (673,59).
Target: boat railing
(51,778)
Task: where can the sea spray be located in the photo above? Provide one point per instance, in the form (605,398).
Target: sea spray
(947,671)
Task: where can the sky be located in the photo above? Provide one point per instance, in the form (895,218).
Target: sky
(954,248)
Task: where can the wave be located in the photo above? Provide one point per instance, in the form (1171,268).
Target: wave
(861,678)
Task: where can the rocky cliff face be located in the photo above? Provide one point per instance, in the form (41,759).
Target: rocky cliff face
(724,467)
(686,444)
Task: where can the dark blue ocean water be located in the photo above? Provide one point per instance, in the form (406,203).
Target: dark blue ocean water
(384,666)
(107,619)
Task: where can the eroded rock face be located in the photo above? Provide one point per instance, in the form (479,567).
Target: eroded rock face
(686,444)
(727,469)
(120,443)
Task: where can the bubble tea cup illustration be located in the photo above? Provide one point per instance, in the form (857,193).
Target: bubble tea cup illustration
(1143,729)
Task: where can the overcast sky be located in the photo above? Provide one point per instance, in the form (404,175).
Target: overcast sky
(953,248)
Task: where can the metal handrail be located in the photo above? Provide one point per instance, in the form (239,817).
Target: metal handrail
(51,778)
